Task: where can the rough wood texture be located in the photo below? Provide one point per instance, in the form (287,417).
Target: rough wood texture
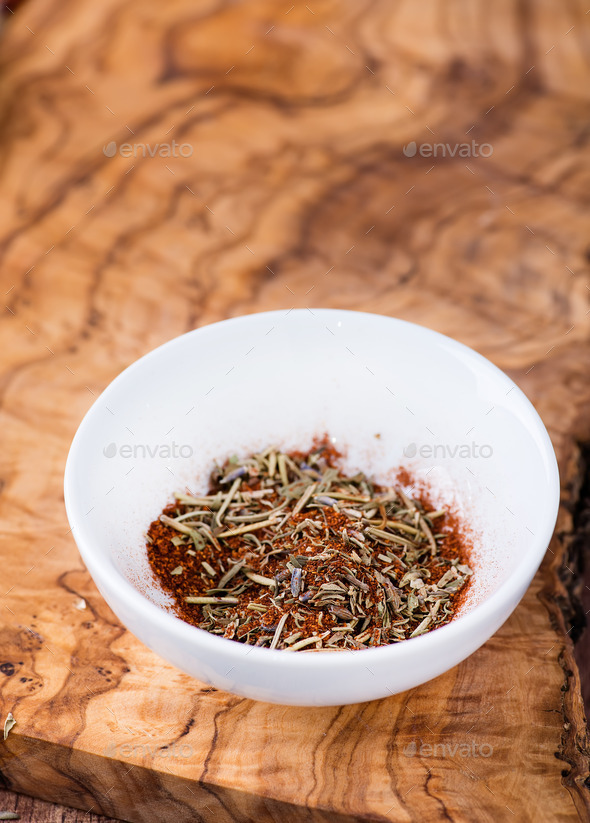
(31,810)
(297,192)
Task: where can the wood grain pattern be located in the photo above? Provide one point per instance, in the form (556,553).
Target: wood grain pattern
(31,810)
(297,192)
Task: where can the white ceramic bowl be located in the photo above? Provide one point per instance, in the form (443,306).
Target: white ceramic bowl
(443,411)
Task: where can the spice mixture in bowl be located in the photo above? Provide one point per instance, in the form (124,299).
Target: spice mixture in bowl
(312,507)
(285,552)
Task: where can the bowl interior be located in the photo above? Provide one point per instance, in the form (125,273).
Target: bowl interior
(389,393)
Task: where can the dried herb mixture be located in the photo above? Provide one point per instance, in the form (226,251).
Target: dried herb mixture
(286,552)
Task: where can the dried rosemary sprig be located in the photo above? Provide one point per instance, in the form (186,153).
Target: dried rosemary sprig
(286,552)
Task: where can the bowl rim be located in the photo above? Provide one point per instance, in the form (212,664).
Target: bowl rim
(509,592)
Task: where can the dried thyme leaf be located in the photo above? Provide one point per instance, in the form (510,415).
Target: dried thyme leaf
(9,724)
